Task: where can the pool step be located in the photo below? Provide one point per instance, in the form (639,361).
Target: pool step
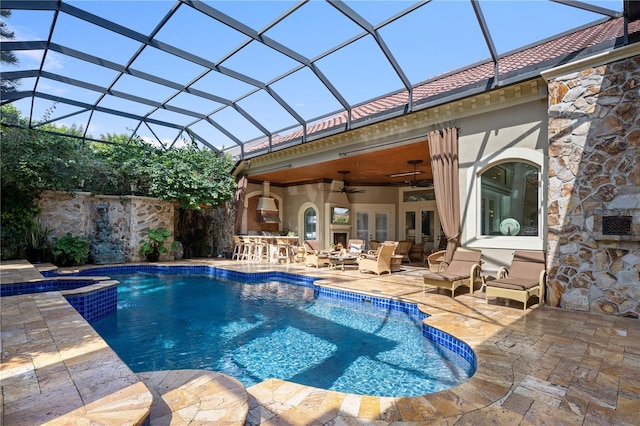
(195,397)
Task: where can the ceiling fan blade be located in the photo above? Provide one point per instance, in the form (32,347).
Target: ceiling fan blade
(422,184)
(345,184)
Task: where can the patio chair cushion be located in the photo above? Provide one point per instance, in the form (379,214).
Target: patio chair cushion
(460,265)
(355,248)
(515,283)
(312,246)
(526,265)
(446,276)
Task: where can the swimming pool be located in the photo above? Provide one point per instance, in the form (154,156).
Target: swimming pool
(276,329)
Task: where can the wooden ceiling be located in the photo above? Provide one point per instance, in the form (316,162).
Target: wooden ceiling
(367,169)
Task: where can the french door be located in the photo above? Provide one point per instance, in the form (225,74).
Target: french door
(374,223)
(419,222)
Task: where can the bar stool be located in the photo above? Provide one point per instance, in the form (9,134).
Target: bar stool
(247,249)
(238,247)
(260,250)
(283,250)
(293,248)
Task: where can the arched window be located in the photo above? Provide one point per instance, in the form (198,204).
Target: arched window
(310,224)
(510,200)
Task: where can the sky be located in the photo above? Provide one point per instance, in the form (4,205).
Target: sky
(435,38)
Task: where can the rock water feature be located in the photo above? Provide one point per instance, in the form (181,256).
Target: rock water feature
(103,249)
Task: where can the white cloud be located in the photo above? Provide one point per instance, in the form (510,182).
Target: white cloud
(55,90)
(54,62)
(22,33)
(28,59)
(31,59)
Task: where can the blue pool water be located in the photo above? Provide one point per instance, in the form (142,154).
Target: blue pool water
(260,330)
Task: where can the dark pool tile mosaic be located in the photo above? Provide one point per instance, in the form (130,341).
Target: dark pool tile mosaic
(451,343)
(41,287)
(96,304)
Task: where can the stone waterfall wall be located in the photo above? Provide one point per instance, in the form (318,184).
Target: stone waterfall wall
(594,155)
(129,217)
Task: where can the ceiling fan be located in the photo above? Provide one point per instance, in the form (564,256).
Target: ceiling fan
(344,188)
(415,183)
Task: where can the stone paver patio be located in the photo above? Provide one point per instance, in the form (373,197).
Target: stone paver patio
(542,366)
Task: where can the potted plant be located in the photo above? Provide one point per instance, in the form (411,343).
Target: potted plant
(154,245)
(70,250)
(36,239)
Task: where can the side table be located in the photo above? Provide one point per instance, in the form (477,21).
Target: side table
(396,263)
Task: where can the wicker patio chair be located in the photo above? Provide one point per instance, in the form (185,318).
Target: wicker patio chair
(525,278)
(463,270)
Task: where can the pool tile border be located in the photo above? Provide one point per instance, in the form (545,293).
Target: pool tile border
(14,289)
(96,304)
(446,340)
(93,298)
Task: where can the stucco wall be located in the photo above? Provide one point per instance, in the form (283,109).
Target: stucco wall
(129,217)
(296,197)
(515,131)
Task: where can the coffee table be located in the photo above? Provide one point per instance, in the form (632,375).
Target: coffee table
(342,260)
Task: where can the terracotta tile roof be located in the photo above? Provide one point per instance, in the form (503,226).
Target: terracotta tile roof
(538,54)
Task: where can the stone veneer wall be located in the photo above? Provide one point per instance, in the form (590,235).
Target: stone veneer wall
(129,217)
(594,166)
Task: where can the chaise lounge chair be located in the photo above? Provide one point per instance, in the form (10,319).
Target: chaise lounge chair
(525,278)
(377,263)
(314,256)
(463,270)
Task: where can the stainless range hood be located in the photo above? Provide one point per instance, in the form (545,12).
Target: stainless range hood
(268,217)
(267,209)
(268,204)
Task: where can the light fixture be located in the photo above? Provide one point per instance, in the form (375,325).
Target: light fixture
(415,163)
(417,172)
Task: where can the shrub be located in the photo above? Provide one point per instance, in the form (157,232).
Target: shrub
(70,250)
